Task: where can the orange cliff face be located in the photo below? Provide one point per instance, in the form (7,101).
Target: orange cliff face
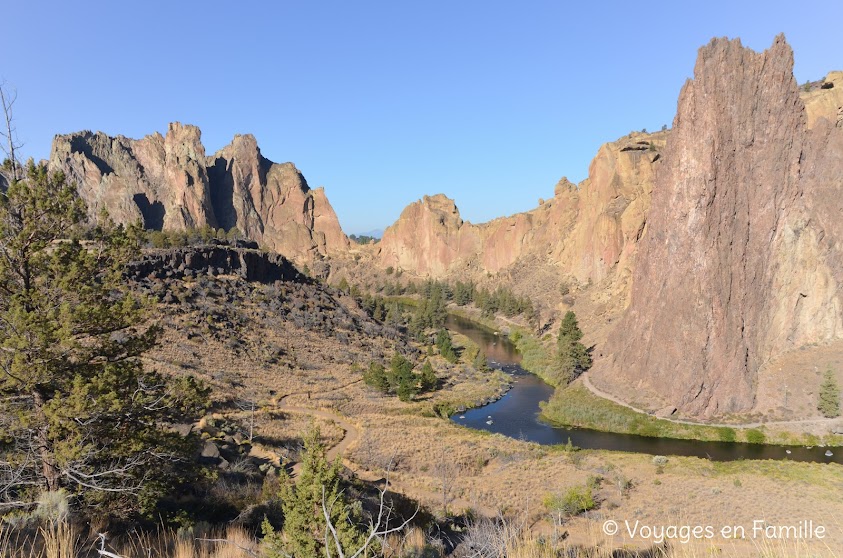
(168,183)
(586,232)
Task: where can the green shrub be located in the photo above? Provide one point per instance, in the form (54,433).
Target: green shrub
(576,500)
(755,436)
(727,434)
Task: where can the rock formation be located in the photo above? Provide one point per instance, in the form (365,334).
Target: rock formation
(742,258)
(168,183)
(825,100)
(251,265)
(737,262)
(586,232)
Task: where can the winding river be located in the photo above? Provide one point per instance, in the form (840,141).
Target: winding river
(516,415)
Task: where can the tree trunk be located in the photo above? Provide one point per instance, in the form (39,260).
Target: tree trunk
(50,473)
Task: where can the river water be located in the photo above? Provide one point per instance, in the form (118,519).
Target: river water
(516,415)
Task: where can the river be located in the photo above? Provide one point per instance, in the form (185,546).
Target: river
(516,415)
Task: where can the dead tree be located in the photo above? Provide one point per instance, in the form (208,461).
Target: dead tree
(7,99)
(378,529)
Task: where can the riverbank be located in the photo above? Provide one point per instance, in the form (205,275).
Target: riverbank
(577,406)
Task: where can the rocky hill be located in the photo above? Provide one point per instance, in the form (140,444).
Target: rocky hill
(169,183)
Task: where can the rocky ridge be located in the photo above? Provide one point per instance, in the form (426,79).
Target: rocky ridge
(586,231)
(168,183)
(246,263)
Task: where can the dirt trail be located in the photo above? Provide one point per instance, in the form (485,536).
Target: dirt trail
(804,422)
(352,432)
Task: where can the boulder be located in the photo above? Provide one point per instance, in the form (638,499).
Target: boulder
(210,450)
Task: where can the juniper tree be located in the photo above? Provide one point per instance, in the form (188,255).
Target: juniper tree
(446,347)
(481,363)
(376,377)
(77,408)
(829,403)
(571,355)
(427,377)
(402,378)
(305,528)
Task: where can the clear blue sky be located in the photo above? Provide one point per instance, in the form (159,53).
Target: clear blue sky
(382,102)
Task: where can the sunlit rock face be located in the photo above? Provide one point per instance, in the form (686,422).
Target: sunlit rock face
(168,183)
(741,260)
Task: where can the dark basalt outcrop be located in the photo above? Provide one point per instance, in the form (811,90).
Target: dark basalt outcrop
(254,266)
(741,259)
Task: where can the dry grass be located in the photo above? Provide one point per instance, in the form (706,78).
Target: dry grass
(61,540)
(490,473)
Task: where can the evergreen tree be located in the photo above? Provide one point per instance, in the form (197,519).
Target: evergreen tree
(427,377)
(572,356)
(344,286)
(481,363)
(463,293)
(83,413)
(375,377)
(829,404)
(305,528)
(446,348)
(401,377)
(393,315)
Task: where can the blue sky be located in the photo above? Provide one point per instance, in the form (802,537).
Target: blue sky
(382,102)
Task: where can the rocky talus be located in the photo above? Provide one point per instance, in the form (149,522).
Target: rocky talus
(741,260)
(168,183)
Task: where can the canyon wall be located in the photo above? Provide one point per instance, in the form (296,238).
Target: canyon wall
(586,232)
(721,237)
(168,183)
(742,257)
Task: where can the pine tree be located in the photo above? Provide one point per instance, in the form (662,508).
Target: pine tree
(829,403)
(83,413)
(572,356)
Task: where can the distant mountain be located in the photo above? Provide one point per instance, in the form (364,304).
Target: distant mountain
(374,233)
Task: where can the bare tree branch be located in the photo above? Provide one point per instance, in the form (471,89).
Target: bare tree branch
(378,528)
(8,98)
